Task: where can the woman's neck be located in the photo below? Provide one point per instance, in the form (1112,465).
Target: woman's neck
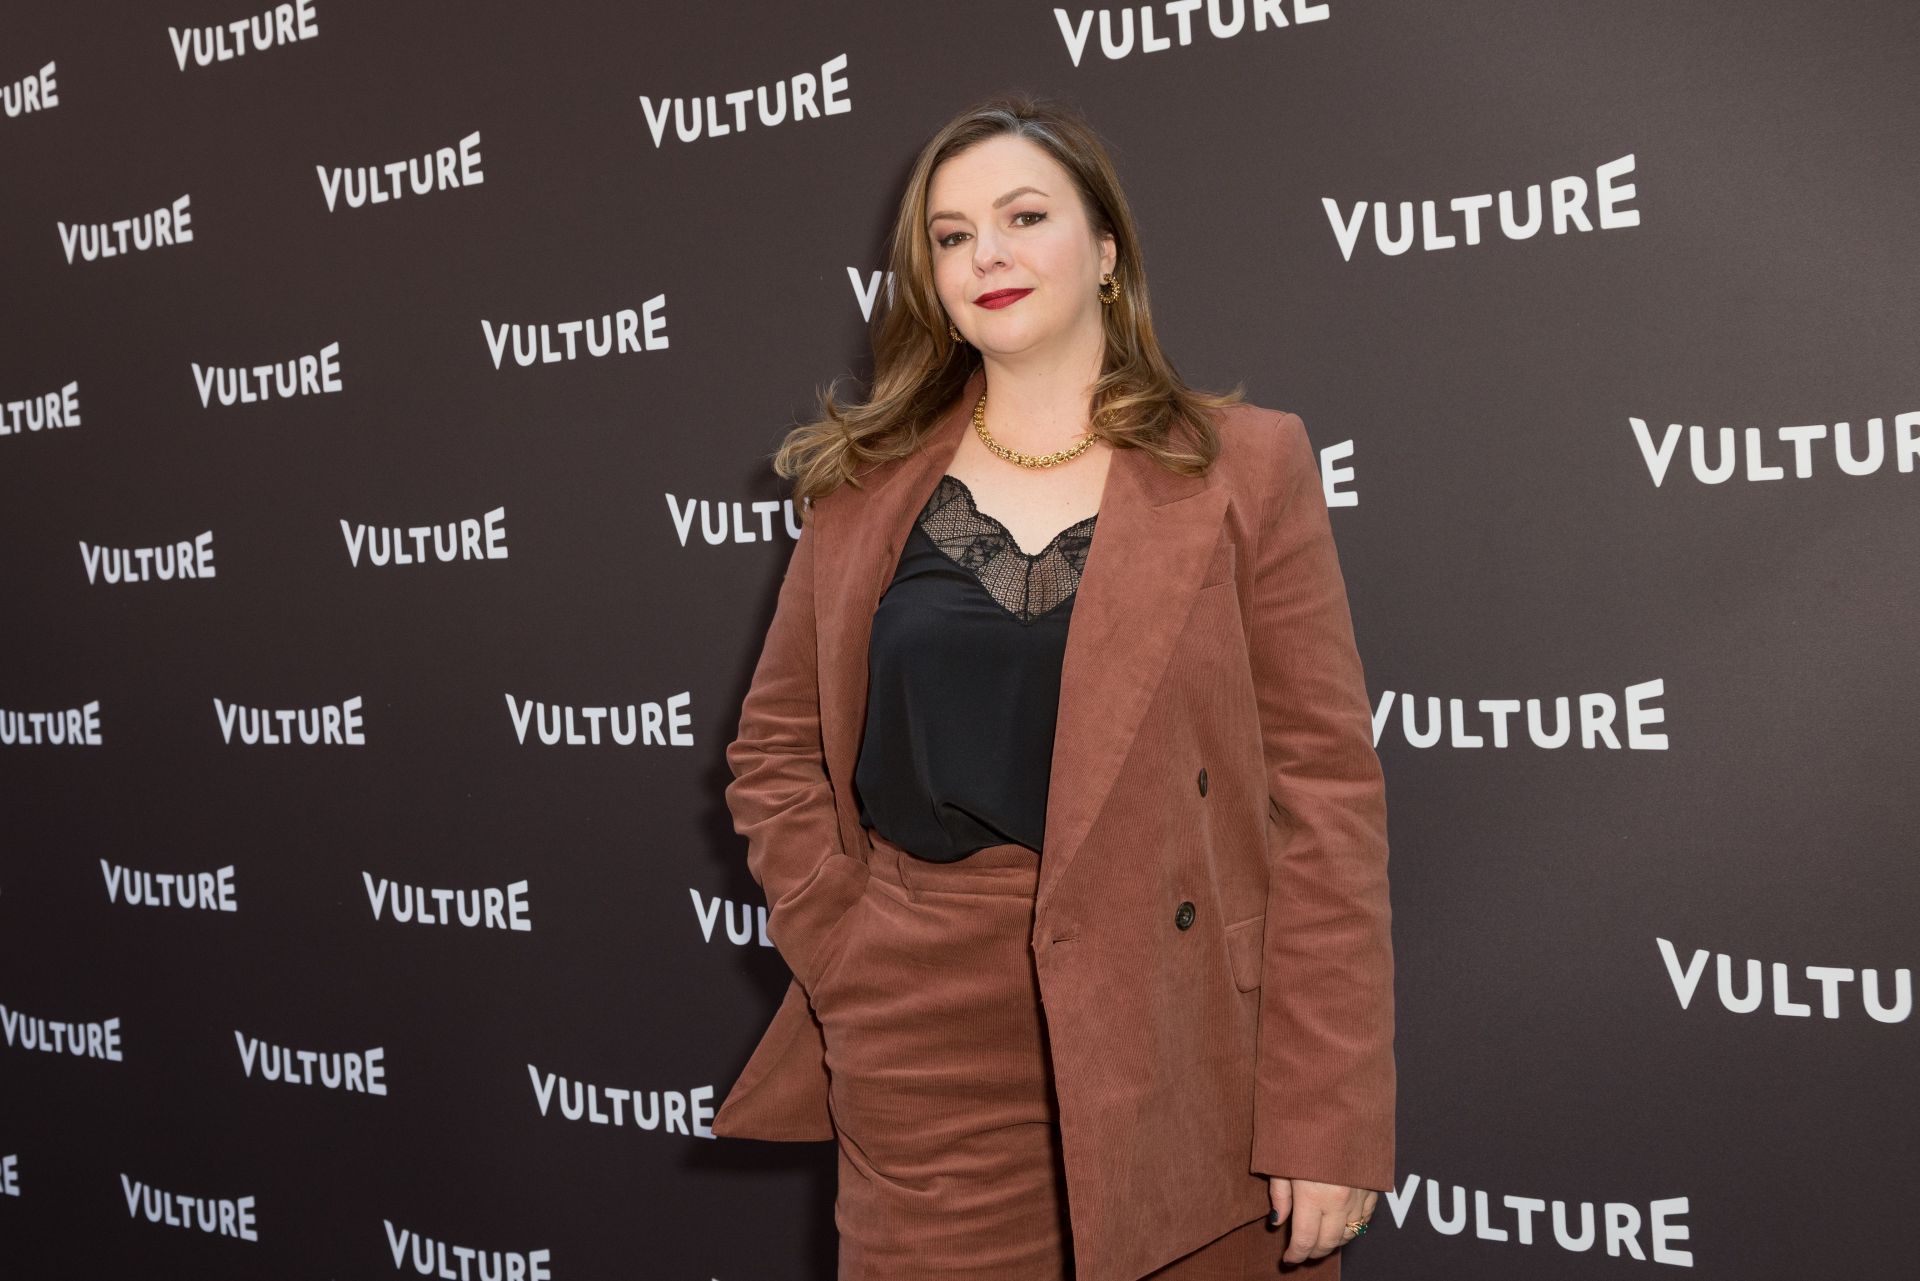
(1040,404)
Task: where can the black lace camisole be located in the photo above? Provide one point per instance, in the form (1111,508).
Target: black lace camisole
(964,682)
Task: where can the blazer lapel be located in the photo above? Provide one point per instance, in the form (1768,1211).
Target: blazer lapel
(859,549)
(1151,543)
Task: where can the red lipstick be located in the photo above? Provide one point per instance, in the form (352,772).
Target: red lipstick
(1001,298)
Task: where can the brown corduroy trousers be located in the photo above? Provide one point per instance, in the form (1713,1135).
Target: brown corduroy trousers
(942,1093)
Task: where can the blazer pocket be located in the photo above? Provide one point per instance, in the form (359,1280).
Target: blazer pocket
(1246,951)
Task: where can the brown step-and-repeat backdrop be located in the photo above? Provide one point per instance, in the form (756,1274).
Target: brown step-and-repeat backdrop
(388,538)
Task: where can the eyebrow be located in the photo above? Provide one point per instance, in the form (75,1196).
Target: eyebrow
(1017,191)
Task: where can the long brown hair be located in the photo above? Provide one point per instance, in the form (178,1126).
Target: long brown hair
(1138,401)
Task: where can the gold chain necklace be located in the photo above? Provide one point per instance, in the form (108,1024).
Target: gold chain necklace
(1019,459)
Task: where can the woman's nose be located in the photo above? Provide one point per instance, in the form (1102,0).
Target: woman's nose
(987,251)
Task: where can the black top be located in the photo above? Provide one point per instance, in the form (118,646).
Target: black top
(964,682)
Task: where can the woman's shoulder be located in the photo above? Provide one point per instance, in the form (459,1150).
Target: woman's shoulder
(1246,416)
(1256,441)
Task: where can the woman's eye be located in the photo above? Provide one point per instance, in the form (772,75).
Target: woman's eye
(949,240)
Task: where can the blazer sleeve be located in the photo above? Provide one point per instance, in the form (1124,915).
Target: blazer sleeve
(1324,1075)
(780,797)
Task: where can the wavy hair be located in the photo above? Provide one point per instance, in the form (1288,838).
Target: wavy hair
(1138,402)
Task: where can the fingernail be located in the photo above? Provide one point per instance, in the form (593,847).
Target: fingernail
(1273,1218)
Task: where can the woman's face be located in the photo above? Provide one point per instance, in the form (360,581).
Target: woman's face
(1004,215)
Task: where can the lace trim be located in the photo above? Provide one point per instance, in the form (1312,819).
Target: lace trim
(1026,585)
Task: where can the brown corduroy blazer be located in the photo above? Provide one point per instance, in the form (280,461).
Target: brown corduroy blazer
(1213,764)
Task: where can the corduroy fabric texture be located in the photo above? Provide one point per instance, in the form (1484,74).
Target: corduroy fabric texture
(950,1164)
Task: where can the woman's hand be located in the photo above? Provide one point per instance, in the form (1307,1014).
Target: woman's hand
(1320,1213)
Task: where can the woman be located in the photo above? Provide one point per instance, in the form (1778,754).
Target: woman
(1088,923)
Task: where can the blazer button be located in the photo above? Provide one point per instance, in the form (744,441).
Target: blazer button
(1203,782)
(1183,915)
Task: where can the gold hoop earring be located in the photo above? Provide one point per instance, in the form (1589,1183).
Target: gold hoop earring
(954,333)
(1109,289)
